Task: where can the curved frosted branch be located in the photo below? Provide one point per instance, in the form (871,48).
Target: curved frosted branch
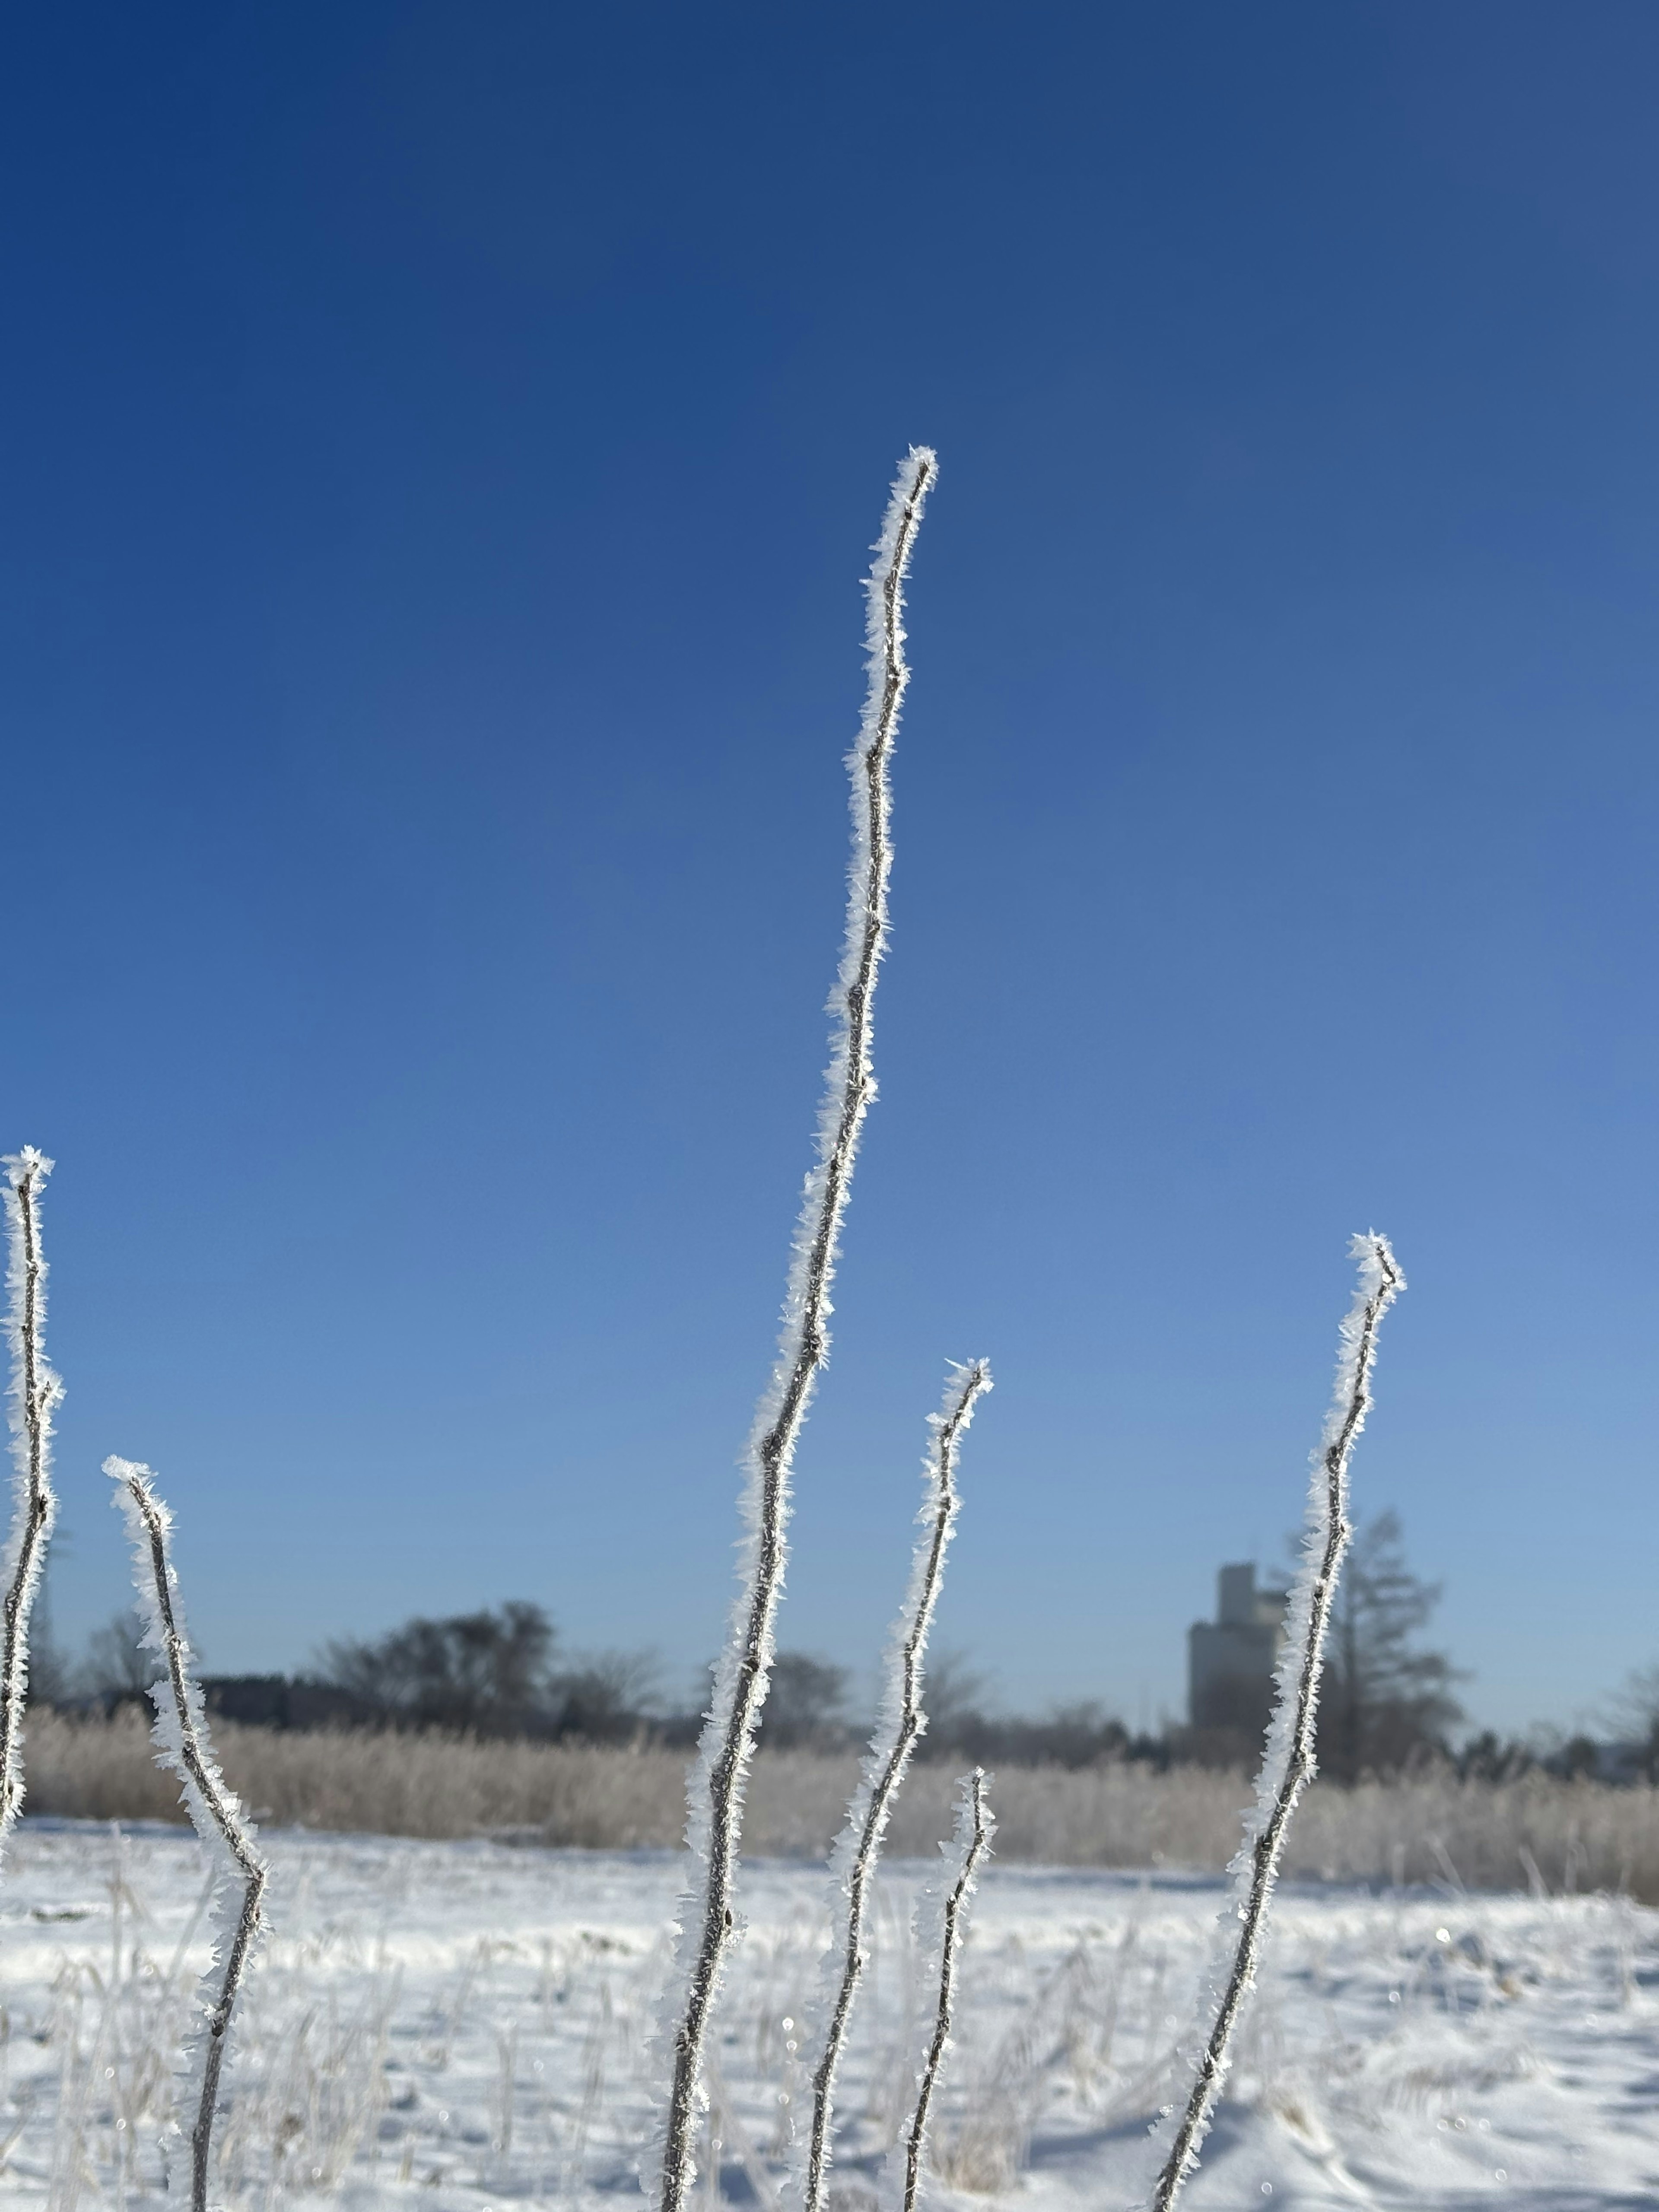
(183,1743)
(1288,1763)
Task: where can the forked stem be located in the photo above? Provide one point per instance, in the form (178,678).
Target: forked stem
(1288,1763)
(181,1736)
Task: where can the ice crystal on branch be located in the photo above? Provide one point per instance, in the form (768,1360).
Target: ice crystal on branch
(1287,1764)
(898,1729)
(34,1394)
(707,1919)
(215,1812)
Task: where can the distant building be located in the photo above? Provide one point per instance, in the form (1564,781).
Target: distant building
(1231,1659)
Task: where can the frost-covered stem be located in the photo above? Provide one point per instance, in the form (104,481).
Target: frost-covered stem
(35,1391)
(974,1828)
(741,1681)
(901,1724)
(1288,1763)
(181,1737)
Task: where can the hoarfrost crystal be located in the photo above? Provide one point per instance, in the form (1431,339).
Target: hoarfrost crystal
(1287,1764)
(183,1743)
(708,1921)
(34,1394)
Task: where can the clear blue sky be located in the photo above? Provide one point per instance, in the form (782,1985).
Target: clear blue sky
(440,448)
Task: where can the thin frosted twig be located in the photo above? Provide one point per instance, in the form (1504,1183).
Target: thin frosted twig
(715,1826)
(975,1829)
(900,1725)
(34,1392)
(216,1814)
(1288,1763)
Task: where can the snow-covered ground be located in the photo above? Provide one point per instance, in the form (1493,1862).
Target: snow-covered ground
(466,2025)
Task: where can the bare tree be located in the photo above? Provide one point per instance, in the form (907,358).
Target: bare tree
(1635,1715)
(1385,1699)
(604,1698)
(485,1673)
(115,1669)
(807,1704)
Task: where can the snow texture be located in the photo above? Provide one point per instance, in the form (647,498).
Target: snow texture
(1288,1763)
(33,1395)
(900,1726)
(456,2027)
(181,1730)
(708,1921)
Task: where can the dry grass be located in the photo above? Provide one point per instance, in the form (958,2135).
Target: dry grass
(1565,1835)
(361,1781)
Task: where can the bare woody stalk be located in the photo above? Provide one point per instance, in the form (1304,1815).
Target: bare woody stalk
(728,1741)
(35,1392)
(902,1724)
(1288,1763)
(183,1744)
(974,1828)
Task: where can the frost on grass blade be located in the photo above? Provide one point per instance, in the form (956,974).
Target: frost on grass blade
(899,1726)
(707,1920)
(1287,1764)
(183,1744)
(941,1923)
(34,1394)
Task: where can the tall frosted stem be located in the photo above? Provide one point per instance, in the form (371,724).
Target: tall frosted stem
(1288,1763)
(34,1392)
(742,1676)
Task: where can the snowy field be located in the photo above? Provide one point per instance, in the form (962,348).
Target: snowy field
(465,2026)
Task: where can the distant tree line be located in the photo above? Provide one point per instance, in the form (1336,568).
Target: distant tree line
(493,1673)
(1387,1706)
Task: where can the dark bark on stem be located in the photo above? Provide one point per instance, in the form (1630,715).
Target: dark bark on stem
(955,1905)
(37,1390)
(911,1721)
(1333,1533)
(805,1346)
(212,1803)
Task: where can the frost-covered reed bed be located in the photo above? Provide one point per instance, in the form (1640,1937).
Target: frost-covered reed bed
(1577,1835)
